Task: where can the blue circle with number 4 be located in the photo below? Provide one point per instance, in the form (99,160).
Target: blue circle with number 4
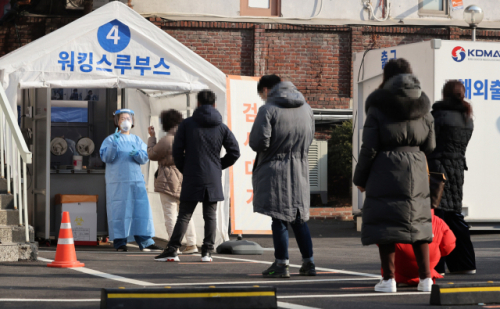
(114,36)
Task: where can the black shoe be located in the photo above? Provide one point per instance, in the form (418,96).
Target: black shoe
(206,256)
(122,248)
(277,271)
(308,269)
(153,247)
(168,255)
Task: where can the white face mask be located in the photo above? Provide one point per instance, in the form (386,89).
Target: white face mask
(126,125)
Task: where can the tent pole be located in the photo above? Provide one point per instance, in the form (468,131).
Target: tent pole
(188,105)
(119,98)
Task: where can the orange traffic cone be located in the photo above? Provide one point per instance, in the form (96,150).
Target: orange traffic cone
(65,251)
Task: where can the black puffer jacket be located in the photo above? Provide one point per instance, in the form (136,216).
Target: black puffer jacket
(196,151)
(397,207)
(453,133)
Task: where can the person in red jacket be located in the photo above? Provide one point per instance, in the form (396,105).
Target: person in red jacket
(442,244)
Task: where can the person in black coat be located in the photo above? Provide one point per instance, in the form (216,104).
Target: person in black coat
(397,135)
(454,126)
(196,151)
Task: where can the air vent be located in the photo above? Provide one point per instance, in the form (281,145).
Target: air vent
(318,169)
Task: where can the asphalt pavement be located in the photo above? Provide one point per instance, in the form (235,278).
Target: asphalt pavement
(347,272)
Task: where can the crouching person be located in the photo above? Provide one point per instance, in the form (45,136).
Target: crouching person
(281,136)
(442,244)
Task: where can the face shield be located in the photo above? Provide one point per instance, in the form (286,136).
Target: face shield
(121,113)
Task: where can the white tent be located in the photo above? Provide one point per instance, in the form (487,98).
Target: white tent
(115,47)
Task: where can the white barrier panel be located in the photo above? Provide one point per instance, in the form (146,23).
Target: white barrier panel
(243,104)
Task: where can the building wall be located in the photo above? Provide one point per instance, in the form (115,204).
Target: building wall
(328,9)
(317,59)
(229,50)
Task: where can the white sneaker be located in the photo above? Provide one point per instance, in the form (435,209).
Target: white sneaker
(190,250)
(206,257)
(425,285)
(386,286)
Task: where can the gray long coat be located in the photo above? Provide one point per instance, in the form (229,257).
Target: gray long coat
(397,208)
(281,136)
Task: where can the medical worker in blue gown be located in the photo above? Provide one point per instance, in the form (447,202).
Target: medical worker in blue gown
(127,203)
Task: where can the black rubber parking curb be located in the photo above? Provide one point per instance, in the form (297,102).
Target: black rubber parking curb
(465,293)
(255,297)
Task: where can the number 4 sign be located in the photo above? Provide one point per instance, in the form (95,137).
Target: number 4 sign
(114,36)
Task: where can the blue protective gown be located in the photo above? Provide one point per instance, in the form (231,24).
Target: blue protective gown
(127,203)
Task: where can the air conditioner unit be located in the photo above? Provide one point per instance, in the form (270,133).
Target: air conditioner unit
(318,169)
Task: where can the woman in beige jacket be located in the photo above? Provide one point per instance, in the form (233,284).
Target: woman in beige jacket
(168,179)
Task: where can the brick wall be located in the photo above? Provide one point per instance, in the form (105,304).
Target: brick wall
(316,58)
(317,62)
(26,30)
(336,213)
(229,50)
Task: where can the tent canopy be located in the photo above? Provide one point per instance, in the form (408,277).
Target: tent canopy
(115,47)
(112,47)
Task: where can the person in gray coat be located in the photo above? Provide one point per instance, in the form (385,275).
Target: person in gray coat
(281,135)
(398,134)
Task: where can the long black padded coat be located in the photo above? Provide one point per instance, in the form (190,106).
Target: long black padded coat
(453,133)
(397,205)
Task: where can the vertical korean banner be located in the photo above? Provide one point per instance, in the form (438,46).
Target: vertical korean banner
(243,103)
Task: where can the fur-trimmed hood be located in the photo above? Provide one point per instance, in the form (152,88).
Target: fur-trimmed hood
(398,107)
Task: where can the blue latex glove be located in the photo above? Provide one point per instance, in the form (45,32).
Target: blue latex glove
(117,135)
(134,152)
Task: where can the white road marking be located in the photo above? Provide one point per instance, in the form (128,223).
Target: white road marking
(354,295)
(277,281)
(144,283)
(97,273)
(282,305)
(109,252)
(48,300)
(347,272)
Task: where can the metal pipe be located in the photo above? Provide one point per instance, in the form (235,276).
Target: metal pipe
(8,167)
(332,117)
(331,110)
(19,193)
(14,191)
(473,34)
(25,198)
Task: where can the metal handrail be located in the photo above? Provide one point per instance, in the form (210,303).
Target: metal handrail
(18,150)
(26,155)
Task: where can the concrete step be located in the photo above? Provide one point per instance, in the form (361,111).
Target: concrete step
(9,217)
(6,201)
(14,252)
(3,186)
(15,234)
